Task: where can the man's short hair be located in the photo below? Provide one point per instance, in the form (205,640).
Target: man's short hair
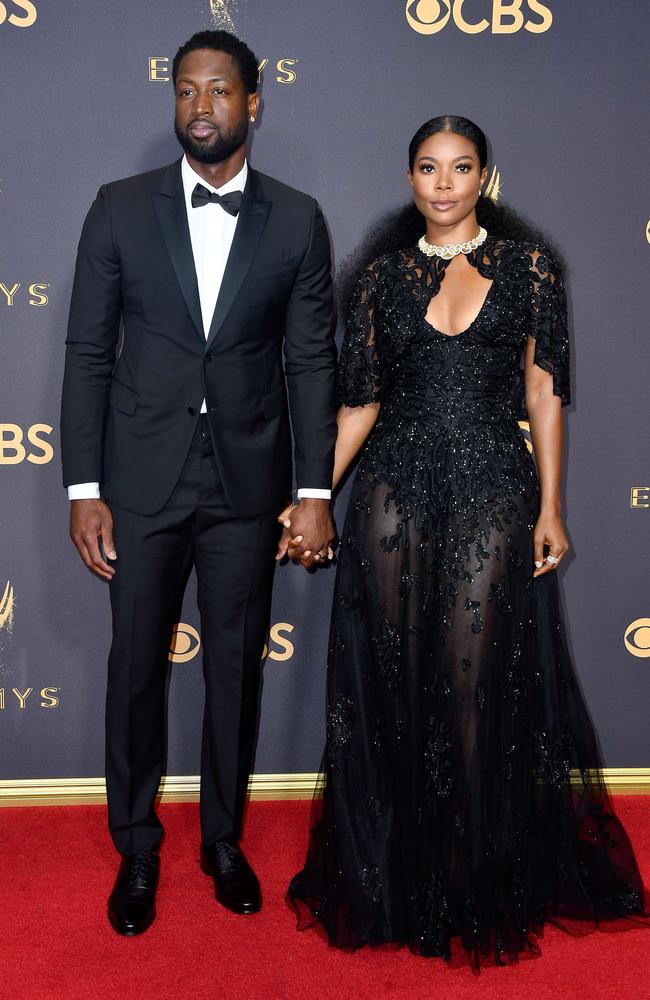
(223,41)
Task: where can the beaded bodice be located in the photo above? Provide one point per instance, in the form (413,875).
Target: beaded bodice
(447,430)
(391,353)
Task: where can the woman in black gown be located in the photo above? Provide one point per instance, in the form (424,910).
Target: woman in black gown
(462,796)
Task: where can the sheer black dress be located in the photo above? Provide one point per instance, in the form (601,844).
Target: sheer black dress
(462,800)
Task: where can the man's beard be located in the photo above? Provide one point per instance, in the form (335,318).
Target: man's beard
(217,148)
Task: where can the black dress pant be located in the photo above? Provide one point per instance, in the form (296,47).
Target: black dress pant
(234,560)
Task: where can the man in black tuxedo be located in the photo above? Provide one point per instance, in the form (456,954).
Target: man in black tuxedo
(177,447)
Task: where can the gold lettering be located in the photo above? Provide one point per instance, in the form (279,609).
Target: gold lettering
(537,27)
(43,446)
(467,26)
(50,699)
(21,22)
(288,75)
(640,497)
(9,292)
(11,445)
(159,69)
(30,11)
(2,692)
(37,290)
(506,9)
(22,696)
(424,15)
(285,644)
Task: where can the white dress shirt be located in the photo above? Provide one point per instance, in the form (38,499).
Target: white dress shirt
(211,233)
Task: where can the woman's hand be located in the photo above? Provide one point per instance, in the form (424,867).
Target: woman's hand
(549,531)
(285,537)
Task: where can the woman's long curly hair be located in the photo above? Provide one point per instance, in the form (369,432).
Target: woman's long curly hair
(402,228)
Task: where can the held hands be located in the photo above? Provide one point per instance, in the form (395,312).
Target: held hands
(549,531)
(91,523)
(285,539)
(308,532)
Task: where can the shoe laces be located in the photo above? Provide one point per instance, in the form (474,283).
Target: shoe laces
(141,867)
(230,853)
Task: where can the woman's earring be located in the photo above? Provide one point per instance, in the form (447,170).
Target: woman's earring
(252,118)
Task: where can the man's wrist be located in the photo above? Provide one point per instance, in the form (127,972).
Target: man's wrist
(84,491)
(311,493)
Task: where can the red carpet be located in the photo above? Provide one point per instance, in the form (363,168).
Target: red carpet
(55,943)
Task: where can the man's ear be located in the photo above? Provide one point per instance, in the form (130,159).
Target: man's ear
(253,105)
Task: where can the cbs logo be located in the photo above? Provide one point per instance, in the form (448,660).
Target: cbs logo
(24,19)
(186,643)
(428,17)
(13,451)
(637,637)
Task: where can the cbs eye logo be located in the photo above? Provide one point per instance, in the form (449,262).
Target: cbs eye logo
(25,17)
(428,17)
(637,637)
(185,644)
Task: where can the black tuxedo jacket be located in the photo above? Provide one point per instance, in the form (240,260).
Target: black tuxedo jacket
(130,403)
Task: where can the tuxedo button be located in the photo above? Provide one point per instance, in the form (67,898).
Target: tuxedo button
(209,357)
(191,411)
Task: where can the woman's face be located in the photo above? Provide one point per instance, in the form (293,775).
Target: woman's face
(446,178)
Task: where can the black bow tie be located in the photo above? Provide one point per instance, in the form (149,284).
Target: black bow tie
(231,202)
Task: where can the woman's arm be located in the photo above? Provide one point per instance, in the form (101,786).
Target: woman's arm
(354,424)
(358,389)
(546,428)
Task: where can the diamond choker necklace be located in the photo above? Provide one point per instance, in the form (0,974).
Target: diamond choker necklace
(449,250)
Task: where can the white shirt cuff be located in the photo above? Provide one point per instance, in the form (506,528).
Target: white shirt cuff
(314,494)
(84,491)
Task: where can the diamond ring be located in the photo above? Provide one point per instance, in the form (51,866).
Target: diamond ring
(552,560)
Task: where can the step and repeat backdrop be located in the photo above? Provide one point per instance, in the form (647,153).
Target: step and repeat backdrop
(560,90)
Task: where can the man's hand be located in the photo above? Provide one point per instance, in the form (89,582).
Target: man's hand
(90,522)
(309,532)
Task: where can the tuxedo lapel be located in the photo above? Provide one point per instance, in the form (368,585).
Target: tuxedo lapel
(169,202)
(250,226)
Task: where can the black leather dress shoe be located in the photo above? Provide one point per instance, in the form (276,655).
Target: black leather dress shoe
(235,883)
(132,903)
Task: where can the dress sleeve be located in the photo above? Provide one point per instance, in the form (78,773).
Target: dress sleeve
(359,375)
(549,325)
